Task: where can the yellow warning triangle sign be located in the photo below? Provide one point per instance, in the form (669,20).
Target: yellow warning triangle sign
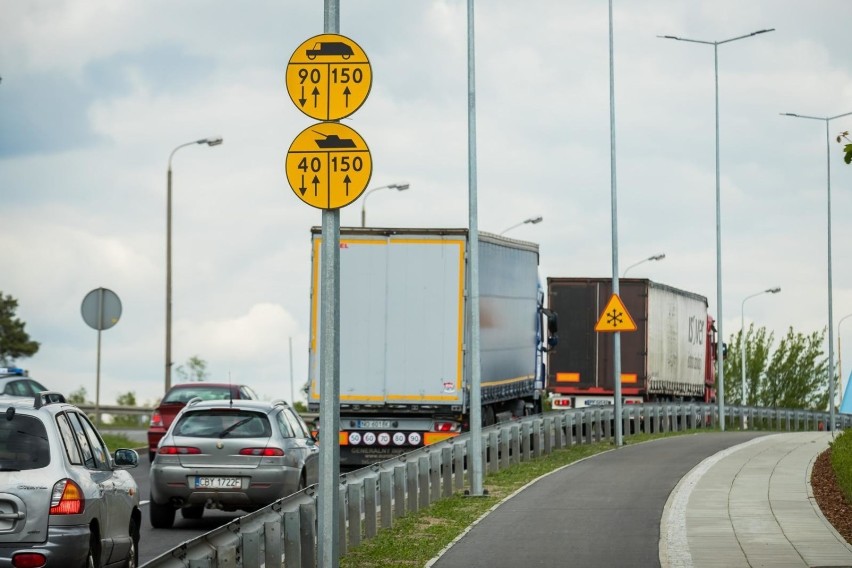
(615,317)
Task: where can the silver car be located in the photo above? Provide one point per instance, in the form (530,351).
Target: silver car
(64,501)
(230,455)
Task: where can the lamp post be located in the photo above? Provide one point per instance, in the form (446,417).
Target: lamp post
(660,256)
(743,345)
(530,221)
(212,141)
(399,186)
(720,388)
(840,358)
(827,119)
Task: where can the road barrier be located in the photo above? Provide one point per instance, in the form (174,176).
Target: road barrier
(373,498)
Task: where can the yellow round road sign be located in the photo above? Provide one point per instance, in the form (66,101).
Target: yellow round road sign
(329,77)
(328,165)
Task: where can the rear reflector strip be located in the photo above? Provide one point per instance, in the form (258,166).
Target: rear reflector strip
(567,377)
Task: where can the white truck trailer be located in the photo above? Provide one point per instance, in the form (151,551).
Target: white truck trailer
(405,365)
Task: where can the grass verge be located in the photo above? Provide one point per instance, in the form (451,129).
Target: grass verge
(419,537)
(841,462)
(116,441)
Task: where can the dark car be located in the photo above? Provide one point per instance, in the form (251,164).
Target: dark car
(179,395)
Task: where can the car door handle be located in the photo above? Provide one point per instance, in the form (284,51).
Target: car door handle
(11,516)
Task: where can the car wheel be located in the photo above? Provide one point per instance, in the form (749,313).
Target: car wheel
(151,455)
(302,482)
(192,512)
(162,516)
(133,554)
(92,556)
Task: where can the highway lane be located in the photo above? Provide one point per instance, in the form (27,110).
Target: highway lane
(153,542)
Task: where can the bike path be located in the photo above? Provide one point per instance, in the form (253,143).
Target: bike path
(608,510)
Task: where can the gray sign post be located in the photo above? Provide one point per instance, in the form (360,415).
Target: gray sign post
(101,310)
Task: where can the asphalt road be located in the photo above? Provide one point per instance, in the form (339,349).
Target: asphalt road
(602,511)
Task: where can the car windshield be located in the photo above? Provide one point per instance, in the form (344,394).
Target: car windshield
(23,443)
(221,423)
(184,395)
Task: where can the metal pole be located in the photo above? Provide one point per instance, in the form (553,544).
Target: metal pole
(475,413)
(830,305)
(720,390)
(616,337)
(168,380)
(743,361)
(98,372)
(328,536)
(292,387)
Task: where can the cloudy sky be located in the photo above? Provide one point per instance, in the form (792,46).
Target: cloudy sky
(95,96)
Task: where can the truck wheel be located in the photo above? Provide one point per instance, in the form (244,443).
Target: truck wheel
(488,417)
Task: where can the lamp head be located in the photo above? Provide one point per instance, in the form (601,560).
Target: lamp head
(534,220)
(660,256)
(400,186)
(212,141)
(773,290)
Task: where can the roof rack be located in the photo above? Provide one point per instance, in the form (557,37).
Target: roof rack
(194,400)
(280,402)
(48,397)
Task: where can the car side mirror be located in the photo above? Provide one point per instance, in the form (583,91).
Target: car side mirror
(125,458)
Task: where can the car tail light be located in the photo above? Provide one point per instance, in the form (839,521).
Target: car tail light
(178,450)
(157,419)
(445,427)
(562,402)
(263,452)
(28,560)
(67,498)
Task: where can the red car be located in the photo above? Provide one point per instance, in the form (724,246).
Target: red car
(178,396)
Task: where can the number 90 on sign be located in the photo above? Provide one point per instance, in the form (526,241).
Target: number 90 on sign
(328,165)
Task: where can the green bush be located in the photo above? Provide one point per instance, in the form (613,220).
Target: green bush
(841,462)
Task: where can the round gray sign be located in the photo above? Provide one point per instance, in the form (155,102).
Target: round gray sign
(101,309)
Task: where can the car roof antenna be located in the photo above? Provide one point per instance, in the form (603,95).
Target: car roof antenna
(230,390)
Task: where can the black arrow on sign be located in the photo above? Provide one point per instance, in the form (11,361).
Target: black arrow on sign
(302,187)
(347,92)
(303,100)
(347,181)
(315,181)
(315,93)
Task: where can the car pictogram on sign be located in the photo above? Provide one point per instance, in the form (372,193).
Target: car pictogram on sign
(329,48)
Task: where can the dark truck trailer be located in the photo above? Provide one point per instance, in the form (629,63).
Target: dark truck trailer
(670,356)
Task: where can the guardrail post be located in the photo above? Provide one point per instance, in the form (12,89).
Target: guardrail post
(458,465)
(516,444)
(587,415)
(250,545)
(435,474)
(787,416)
(386,497)
(447,470)
(353,512)
(547,425)
(607,425)
(307,526)
(525,441)
(537,437)
(625,419)
(423,481)
(569,428)
(272,537)
(341,518)
(494,451)
(411,485)
(504,446)
(399,484)
(371,511)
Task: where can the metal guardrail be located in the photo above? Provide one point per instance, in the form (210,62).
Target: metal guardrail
(373,498)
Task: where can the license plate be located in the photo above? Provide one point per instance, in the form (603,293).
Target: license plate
(374,423)
(200,482)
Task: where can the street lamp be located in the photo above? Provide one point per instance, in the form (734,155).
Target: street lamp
(400,186)
(530,221)
(721,368)
(743,345)
(840,358)
(212,141)
(827,119)
(660,256)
